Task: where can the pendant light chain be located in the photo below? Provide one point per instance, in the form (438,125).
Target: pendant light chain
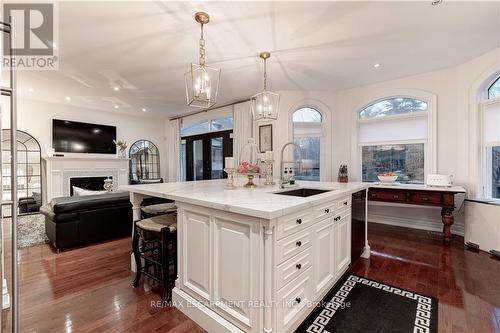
(202,48)
(265,75)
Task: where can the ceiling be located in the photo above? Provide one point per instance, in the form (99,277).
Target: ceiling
(146,47)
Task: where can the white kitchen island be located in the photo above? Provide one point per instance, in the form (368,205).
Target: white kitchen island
(251,260)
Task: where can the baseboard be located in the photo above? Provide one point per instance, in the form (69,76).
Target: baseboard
(200,314)
(435,225)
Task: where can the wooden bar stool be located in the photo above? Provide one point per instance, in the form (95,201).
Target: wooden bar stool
(155,251)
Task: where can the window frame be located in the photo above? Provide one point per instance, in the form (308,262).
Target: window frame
(324,159)
(430,146)
(489,88)
(485,188)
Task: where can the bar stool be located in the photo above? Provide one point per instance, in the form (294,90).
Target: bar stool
(155,251)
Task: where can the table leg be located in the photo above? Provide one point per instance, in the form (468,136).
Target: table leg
(136,200)
(448,220)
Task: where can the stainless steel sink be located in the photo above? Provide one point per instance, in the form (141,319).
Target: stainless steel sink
(303,192)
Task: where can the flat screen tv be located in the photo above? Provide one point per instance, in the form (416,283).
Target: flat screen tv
(75,137)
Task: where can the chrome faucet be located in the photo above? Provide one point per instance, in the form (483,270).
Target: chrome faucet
(283,181)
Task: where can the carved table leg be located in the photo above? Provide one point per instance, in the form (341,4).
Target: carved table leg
(447,218)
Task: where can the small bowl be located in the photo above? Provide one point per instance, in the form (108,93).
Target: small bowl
(387,179)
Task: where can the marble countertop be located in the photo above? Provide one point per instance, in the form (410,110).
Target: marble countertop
(455,189)
(259,202)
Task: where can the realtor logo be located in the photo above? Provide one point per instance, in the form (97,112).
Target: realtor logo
(34,26)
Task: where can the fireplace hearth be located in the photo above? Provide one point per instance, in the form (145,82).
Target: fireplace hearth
(88,183)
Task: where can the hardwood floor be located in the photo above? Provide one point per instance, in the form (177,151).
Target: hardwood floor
(89,289)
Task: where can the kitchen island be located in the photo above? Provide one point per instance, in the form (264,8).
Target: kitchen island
(256,260)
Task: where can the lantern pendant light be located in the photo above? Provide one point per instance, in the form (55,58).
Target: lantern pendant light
(265,104)
(202,81)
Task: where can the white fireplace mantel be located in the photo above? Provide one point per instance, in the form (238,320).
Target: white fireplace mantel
(60,169)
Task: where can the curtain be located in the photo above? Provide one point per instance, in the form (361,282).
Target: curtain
(242,130)
(173,150)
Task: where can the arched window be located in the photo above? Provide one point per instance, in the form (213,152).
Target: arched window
(144,161)
(494,89)
(490,138)
(307,133)
(29,182)
(392,135)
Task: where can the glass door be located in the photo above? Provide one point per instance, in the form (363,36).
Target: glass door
(204,155)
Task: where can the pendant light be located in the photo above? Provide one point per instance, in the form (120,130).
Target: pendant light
(202,81)
(265,104)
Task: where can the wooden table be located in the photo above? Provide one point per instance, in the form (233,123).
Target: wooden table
(443,197)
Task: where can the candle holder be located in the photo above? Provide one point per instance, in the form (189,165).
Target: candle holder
(230,178)
(269,172)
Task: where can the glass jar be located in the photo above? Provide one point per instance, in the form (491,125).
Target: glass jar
(249,158)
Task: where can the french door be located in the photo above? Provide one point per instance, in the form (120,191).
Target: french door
(204,156)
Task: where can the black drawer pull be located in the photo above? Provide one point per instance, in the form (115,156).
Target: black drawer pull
(299,243)
(299,221)
(345,203)
(299,266)
(298,300)
(327,210)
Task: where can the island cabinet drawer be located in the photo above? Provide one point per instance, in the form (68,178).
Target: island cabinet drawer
(325,210)
(344,202)
(289,224)
(293,267)
(292,300)
(292,245)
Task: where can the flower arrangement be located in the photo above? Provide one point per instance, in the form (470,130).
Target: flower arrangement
(122,146)
(343,176)
(247,167)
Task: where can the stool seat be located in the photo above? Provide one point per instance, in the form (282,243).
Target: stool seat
(157,223)
(159,208)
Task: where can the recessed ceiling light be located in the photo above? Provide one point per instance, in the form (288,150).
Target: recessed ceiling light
(68,98)
(144,110)
(436,2)
(116,106)
(377,65)
(31,89)
(116,88)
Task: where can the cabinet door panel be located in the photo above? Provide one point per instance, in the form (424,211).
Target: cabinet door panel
(236,272)
(324,255)
(343,241)
(195,254)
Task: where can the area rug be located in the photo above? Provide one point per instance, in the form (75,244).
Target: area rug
(358,304)
(31,230)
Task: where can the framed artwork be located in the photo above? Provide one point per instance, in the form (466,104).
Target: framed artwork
(265,138)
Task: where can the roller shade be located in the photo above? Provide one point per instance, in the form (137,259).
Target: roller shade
(307,129)
(491,123)
(223,112)
(397,129)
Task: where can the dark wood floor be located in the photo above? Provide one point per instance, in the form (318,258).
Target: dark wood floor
(88,289)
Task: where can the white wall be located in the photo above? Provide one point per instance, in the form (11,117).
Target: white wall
(35,117)
(456,91)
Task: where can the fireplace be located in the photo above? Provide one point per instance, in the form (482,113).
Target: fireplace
(88,183)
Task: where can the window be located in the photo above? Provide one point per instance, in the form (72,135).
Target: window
(392,137)
(490,152)
(307,133)
(204,144)
(144,161)
(494,89)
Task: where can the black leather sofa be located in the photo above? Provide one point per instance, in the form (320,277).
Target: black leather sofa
(75,221)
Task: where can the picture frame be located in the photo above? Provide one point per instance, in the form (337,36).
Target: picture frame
(265,138)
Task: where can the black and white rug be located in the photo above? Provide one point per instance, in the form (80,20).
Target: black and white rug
(358,304)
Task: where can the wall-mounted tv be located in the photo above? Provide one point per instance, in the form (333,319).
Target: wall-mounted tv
(76,137)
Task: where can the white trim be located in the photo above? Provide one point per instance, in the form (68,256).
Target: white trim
(430,158)
(326,149)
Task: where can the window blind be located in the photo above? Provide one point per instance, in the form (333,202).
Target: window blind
(491,123)
(390,130)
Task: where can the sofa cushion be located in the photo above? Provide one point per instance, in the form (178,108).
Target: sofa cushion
(80,192)
(78,204)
